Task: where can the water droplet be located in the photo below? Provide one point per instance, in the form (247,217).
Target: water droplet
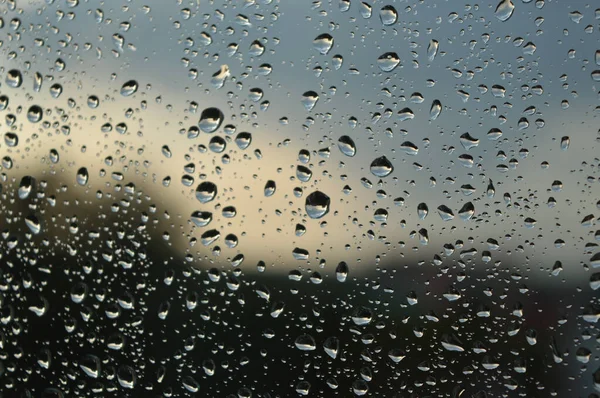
(33,223)
(190,384)
(432,49)
(338,60)
(344,5)
(255,94)
(14,78)
(347,146)
(504,10)
(445,213)
(243,140)
(332,346)
(93,101)
(362,316)
(206,192)
(309,100)
(126,376)
(90,364)
(3,102)
(409,148)
(388,15)
(210,120)
(323,43)
(256,49)
(452,343)
(270,188)
(26,187)
(341,271)
(35,114)
(387,62)
(56,90)
(467,211)
(129,88)
(201,218)
(303,173)
(365,10)
(305,342)
(405,114)
(82,176)
(381,167)
(468,142)
(11,139)
(317,204)
(435,110)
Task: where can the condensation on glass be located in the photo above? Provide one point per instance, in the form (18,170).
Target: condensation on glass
(273,198)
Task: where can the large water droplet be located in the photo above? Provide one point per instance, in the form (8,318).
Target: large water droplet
(210,120)
(432,49)
(305,342)
(309,100)
(323,43)
(347,146)
(270,188)
(504,10)
(341,271)
(388,15)
(14,78)
(11,139)
(91,365)
(387,62)
(332,346)
(35,114)
(435,110)
(381,167)
(82,176)
(362,316)
(256,49)
(317,204)
(129,88)
(206,191)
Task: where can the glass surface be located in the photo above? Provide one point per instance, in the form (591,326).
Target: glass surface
(280,198)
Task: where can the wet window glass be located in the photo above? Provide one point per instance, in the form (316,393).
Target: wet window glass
(281,198)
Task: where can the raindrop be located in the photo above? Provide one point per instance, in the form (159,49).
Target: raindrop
(82,176)
(323,43)
(332,346)
(14,79)
(210,120)
(432,49)
(11,139)
(347,146)
(381,167)
(388,15)
(305,342)
(35,114)
(270,188)
(341,271)
(317,204)
(435,110)
(129,88)
(256,49)
(504,10)
(387,62)
(206,192)
(309,100)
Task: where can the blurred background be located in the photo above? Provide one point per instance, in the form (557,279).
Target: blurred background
(161,233)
